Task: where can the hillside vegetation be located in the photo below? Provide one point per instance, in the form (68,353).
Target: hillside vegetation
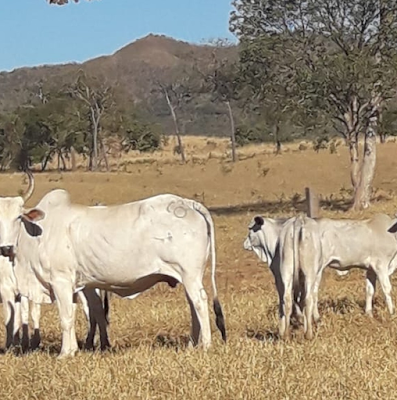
(134,70)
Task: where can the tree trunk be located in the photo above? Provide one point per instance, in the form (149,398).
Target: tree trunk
(73,158)
(59,161)
(63,161)
(177,133)
(232,131)
(276,138)
(382,134)
(362,195)
(95,124)
(354,161)
(105,157)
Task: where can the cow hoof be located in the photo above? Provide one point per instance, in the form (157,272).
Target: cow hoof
(309,335)
(106,347)
(191,345)
(65,355)
(369,313)
(205,346)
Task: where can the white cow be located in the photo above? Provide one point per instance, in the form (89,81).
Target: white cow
(263,239)
(12,217)
(17,277)
(32,285)
(127,249)
(310,245)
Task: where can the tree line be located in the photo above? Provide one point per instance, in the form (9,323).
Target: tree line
(61,122)
(322,66)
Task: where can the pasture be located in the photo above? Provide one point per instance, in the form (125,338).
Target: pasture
(351,356)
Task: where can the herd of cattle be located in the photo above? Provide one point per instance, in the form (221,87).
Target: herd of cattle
(60,251)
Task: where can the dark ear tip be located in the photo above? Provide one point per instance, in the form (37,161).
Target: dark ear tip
(259,220)
(393,228)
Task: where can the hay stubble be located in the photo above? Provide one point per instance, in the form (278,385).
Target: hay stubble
(351,356)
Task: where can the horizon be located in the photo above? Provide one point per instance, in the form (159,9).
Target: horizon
(101,28)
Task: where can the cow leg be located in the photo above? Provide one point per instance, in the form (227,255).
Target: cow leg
(97,312)
(89,341)
(36,337)
(309,305)
(316,313)
(286,304)
(17,322)
(8,298)
(384,281)
(64,296)
(195,330)
(299,297)
(199,300)
(370,286)
(25,323)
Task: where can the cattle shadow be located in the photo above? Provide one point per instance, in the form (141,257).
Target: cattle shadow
(281,206)
(177,343)
(266,335)
(341,306)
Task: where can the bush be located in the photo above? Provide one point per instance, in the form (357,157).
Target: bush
(142,137)
(320,143)
(249,135)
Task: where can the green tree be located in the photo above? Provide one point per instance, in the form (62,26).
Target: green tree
(335,57)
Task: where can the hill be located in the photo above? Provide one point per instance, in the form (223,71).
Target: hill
(134,68)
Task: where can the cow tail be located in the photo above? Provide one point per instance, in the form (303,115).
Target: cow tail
(220,320)
(298,225)
(106,305)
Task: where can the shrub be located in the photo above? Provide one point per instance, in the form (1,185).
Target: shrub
(141,137)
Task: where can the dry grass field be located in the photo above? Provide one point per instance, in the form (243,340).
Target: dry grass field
(351,356)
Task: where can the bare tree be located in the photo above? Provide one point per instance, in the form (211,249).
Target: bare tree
(223,83)
(176,94)
(97,97)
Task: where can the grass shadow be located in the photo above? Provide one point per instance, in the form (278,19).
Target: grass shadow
(340,306)
(171,342)
(280,206)
(263,336)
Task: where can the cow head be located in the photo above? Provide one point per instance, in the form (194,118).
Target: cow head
(12,215)
(255,238)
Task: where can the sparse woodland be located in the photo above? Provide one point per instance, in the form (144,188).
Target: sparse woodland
(302,69)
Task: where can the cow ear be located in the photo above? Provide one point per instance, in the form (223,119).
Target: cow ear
(31,228)
(393,228)
(33,215)
(259,220)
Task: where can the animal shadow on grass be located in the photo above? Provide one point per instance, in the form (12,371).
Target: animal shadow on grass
(263,335)
(171,342)
(340,306)
(281,206)
(49,347)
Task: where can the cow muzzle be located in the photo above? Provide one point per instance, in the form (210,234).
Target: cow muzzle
(7,251)
(247,245)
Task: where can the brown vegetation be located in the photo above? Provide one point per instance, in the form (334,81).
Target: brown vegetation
(351,357)
(133,71)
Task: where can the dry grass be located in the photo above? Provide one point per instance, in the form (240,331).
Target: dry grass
(351,357)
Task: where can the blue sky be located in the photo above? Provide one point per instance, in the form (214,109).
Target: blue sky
(35,33)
